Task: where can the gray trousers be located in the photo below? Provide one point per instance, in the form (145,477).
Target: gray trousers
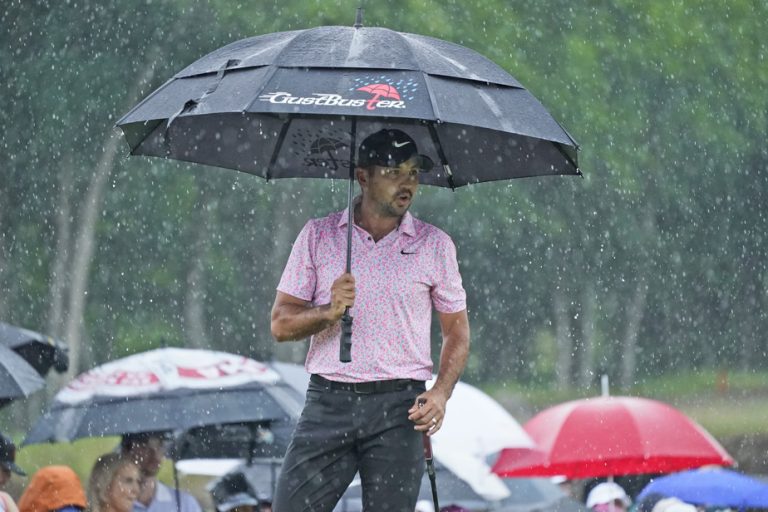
(342,432)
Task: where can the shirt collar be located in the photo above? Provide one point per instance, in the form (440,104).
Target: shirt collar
(406,223)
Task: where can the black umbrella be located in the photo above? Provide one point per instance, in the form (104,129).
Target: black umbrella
(167,389)
(295,104)
(41,351)
(17,377)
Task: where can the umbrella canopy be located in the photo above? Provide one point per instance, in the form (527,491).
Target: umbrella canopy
(17,378)
(167,389)
(711,487)
(40,351)
(290,104)
(613,436)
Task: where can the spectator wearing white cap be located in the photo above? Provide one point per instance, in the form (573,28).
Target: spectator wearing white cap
(608,497)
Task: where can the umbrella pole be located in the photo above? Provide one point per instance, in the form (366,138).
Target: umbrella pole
(345,347)
(176,483)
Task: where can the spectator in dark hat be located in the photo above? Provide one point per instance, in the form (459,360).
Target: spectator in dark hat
(8,460)
(233,493)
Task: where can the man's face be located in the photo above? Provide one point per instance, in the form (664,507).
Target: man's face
(148,455)
(391,189)
(5,475)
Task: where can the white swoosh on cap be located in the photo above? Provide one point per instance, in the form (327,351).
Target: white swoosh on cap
(401,144)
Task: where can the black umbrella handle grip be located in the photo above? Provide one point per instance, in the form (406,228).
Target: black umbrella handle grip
(345,347)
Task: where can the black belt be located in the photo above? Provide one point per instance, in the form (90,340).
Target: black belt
(376,386)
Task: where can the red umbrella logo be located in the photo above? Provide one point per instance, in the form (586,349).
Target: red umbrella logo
(379,91)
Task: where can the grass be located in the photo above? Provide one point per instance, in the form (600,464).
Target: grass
(727,404)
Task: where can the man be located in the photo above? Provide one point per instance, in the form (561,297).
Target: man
(369,415)
(148,451)
(7,466)
(8,460)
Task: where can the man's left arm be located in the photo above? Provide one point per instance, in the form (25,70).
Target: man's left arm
(429,410)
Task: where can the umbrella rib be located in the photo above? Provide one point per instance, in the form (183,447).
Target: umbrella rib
(568,157)
(441,154)
(278,145)
(267,79)
(435,109)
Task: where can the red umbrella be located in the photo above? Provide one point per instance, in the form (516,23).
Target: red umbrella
(612,436)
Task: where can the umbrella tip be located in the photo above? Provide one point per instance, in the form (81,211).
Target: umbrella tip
(359,18)
(604,385)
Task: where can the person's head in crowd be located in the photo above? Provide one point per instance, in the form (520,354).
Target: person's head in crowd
(564,484)
(53,489)
(240,502)
(114,484)
(147,449)
(673,505)
(608,497)
(649,501)
(424,506)
(233,493)
(8,460)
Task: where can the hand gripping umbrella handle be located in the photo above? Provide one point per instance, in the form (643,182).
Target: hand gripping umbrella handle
(345,347)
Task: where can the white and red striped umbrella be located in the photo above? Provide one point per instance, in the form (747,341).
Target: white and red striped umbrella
(166,390)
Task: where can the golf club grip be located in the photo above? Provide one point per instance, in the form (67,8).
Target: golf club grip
(345,347)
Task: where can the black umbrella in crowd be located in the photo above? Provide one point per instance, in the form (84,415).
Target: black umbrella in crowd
(297,104)
(42,352)
(17,378)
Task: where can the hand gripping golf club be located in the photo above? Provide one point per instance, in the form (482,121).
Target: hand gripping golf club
(430,463)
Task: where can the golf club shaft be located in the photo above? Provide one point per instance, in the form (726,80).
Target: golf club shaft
(430,469)
(427,442)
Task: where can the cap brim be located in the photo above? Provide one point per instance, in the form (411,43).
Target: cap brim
(11,466)
(238,500)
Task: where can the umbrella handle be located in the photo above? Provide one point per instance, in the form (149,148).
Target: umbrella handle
(345,347)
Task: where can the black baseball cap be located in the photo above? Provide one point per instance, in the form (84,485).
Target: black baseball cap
(8,455)
(390,148)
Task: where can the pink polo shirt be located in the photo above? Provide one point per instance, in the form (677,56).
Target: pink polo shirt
(398,279)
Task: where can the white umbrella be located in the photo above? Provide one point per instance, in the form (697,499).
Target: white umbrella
(167,389)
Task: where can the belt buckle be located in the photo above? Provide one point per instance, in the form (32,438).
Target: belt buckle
(364,388)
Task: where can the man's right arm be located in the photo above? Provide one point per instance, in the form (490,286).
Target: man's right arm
(296,319)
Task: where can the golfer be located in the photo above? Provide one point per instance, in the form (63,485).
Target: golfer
(364,416)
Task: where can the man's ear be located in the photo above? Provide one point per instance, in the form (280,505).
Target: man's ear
(362,177)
